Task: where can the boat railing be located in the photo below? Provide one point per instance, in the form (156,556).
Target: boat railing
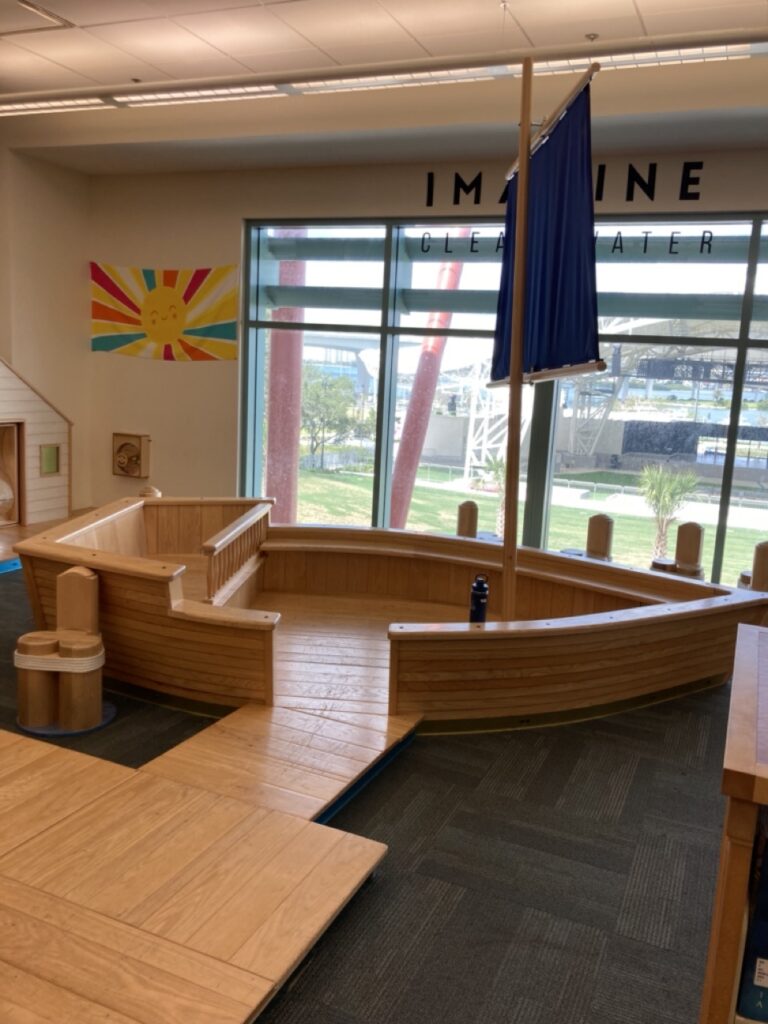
(235,551)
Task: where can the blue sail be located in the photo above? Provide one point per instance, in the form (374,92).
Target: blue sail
(561,287)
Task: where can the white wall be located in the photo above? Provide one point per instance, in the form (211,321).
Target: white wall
(44,268)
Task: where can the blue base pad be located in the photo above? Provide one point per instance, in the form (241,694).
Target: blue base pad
(10,565)
(108,712)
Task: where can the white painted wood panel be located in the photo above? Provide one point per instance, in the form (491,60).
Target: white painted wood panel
(43,497)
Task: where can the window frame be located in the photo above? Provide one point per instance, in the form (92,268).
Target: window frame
(252,362)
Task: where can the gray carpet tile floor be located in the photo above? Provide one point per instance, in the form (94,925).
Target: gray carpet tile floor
(547,876)
(558,875)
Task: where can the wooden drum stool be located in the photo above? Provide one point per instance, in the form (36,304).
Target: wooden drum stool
(59,671)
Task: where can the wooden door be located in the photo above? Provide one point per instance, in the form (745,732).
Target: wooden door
(9,473)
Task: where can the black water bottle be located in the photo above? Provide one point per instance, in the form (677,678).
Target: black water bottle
(478,601)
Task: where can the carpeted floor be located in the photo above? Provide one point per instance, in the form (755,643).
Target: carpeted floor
(560,876)
(142,729)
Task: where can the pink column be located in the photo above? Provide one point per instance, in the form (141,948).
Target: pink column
(284,397)
(420,403)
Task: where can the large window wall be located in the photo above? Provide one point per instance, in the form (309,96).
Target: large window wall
(367,359)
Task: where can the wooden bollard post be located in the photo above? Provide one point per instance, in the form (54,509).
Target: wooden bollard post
(77,600)
(760,566)
(37,694)
(688,548)
(600,537)
(79,692)
(467,519)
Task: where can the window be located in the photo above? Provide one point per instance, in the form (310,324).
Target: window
(366,364)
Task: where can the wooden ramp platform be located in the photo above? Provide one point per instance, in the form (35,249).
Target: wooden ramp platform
(126,898)
(285,759)
(329,726)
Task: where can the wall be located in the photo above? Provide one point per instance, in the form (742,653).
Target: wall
(5,251)
(57,220)
(45,273)
(190,410)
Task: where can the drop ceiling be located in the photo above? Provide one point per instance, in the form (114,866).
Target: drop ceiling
(82,46)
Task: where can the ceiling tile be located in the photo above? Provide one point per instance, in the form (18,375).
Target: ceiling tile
(155,40)
(543,32)
(708,18)
(15,19)
(442,17)
(22,71)
(328,23)
(213,67)
(289,61)
(246,30)
(691,7)
(458,43)
(376,52)
(172,8)
(82,53)
(73,47)
(95,12)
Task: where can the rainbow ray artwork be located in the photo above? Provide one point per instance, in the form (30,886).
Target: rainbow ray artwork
(176,315)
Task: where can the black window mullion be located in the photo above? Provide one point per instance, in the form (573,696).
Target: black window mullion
(737,394)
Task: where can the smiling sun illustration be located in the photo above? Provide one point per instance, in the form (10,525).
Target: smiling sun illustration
(164,314)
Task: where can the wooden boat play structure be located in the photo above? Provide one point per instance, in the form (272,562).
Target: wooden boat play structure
(192,592)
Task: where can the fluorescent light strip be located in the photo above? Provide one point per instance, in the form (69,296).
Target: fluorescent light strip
(52,106)
(402,81)
(550,67)
(216,94)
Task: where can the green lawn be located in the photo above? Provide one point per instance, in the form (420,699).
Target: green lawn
(345,498)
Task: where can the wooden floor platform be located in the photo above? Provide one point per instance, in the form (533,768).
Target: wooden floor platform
(197,883)
(127,898)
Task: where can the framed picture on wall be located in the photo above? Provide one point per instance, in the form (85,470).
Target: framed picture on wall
(130,455)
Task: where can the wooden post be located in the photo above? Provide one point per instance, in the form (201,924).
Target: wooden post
(466,525)
(688,548)
(77,600)
(37,689)
(517,334)
(79,692)
(760,566)
(727,931)
(600,537)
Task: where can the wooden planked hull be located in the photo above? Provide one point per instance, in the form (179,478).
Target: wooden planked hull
(154,636)
(589,635)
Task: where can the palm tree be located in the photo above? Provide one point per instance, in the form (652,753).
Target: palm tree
(496,465)
(665,491)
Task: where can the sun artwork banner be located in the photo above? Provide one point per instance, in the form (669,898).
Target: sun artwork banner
(175,315)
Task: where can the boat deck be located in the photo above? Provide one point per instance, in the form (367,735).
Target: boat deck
(329,725)
(197,883)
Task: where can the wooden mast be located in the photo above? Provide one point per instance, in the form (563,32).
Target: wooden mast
(509,574)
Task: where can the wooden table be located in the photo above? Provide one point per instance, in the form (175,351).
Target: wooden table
(745,783)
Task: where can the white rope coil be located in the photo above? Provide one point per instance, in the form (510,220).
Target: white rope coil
(55,663)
